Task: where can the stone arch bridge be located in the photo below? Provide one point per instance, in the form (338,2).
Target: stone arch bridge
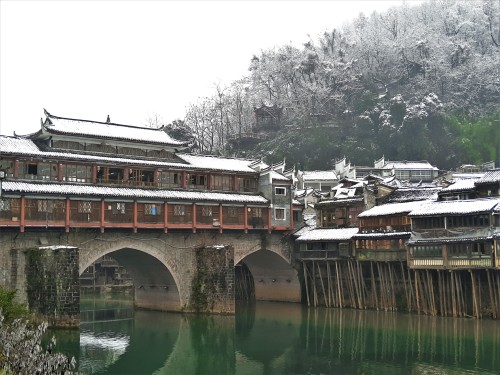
(168,269)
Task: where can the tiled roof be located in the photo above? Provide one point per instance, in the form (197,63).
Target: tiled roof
(96,129)
(379,235)
(14,187)
(319,175)
(328,234)
(392,209)
(411,194)
(217,163)
(464,207)
(23,146)
(460,185)
(491,176)
(408,165)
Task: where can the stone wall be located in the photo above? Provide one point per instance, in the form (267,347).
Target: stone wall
(52,284)
(212,287)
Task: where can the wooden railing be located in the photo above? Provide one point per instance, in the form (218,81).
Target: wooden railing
(380,255)
(68,213)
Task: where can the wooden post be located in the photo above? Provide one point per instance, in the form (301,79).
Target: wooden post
(68,210)
(183,179)
(135,216)
(94,174)
(59,172)
(102,215)
(304,265)
(220,218)
(194,217)
(269,220)
(15,172)
(23,213)
(235,183)
(245,217)
(165,217)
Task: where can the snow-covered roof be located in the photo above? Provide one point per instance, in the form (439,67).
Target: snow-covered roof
(328,234)
(402,165)
(15,187)
(463,207)
(411,194)
(379,235)
(491,176)
(392,209)
(107,130)
(279,177)
(460,185)
(23,146)
(218,163)
(318,175)
(462,176)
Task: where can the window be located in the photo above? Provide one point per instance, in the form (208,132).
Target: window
(297,216)
(84,207)
(197,179)
(5,205)
(119,208)
(206,211)
(223,182)
(77,173)
(256,211)
(45,206)
(280,191)
(167,179)
(232,212)
(279,213)
(247,184)
(179,210)
(152,209)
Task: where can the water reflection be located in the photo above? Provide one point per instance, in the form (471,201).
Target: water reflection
(280,338)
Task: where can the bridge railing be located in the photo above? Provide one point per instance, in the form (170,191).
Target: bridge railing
(111,213)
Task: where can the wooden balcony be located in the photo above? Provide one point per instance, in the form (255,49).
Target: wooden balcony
(452,263)
(65,213)
(381,255)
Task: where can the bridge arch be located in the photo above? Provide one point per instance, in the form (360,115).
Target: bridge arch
(154,275)
(274,277)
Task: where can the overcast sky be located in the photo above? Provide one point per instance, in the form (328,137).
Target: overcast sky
(133,60)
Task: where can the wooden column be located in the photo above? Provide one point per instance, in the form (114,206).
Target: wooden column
(156,175)
(165,217)
(102,215)
(126,174)
(183,179)
(220,217)
(269,219)
(235,183)
(194,217)
(15,172)
(135,216)
(23,207)
(209,181)
(59,172)
(94,174)
(245,217)
(68,210)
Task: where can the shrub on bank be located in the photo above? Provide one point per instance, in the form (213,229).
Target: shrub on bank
(21,351)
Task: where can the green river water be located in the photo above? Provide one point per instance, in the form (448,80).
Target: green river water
(277,338)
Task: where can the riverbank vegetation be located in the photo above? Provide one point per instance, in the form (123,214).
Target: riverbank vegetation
(21,349)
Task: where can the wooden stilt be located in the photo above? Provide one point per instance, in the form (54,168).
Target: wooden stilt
(304,267)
